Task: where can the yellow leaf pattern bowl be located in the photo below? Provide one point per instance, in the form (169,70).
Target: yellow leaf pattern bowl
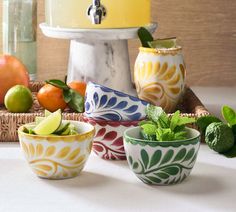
(159,76)
(57,157)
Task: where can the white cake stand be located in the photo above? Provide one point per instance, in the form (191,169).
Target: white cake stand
(99,55)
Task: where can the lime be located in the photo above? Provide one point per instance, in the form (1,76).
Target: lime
(219,137)
(18,99)
(166,43)
(50,124)
(46,113)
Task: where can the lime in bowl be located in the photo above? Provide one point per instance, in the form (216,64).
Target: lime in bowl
(161,162)
(57,156)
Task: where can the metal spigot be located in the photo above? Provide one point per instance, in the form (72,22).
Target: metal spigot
(96,12)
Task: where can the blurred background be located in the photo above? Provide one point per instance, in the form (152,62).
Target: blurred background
(206,29)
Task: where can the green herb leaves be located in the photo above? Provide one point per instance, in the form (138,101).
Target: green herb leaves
(72,97)
(229,115)
(145,37)
(162,128)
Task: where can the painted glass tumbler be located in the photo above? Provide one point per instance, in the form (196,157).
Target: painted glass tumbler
(159,76)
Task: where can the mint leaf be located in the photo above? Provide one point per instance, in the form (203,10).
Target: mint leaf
(229,115)
(145,36)
(149,129)
(174,120)
(165,135)
(204,121)
(158,115)
(178,120)
(145,122)
(180,135)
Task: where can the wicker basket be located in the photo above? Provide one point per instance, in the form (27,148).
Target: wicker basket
(190,106)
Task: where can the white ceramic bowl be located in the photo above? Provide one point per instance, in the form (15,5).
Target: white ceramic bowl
(104,103)
(108,141)
(161,163)
(57,157)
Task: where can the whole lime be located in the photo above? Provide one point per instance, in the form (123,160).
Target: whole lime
(219,137)
(18,99)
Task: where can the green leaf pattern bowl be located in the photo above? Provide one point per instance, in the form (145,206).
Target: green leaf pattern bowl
(161,163)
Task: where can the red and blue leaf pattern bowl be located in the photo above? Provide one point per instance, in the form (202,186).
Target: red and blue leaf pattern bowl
(108,142)
(102,103)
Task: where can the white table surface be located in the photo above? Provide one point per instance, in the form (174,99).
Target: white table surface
(111,186)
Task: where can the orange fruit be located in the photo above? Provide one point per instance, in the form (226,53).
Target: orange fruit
(12,72)
(78,86)
(51,98)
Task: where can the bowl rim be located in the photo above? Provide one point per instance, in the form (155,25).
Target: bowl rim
(79,137)
(164,143)
(119,92)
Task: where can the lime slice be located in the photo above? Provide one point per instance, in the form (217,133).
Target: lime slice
(62,128)
(166,43)
(47,113)
(50,124)
(38,119)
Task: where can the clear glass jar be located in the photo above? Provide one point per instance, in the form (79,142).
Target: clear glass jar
(19,32)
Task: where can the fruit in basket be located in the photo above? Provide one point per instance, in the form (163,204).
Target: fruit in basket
(219,137)
(12,72)
(18,99)
(72,97)
(78,86)
(51,98)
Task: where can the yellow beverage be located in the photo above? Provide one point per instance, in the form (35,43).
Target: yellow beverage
(120,13)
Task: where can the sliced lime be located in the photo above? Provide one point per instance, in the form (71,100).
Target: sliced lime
(38,119)
(66,132)
(166,43)
(62,128)
(50,124)
(47,113)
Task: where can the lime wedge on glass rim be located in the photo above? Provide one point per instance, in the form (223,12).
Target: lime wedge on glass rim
(49,124)
(166,43)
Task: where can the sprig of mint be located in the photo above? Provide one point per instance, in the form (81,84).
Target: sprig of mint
(160,127)
(71,97)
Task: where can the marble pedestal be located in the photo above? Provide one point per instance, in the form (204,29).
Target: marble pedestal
(99,55)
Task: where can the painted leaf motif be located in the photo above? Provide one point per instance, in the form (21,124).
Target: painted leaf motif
(154,179)
(155,159)
(63,152)
(101,132)
(168,156)
(189,155)
(162,175)
(111,102)
(193,159)
(180,155)
(120,94)
(103,100)
(135,116)
(112,116)
(87,106)
(95,98)
(118,142)
(145,157)
(135,165)
(132,109)
(121,105)
(110,136)
(130,160)
(171,170)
